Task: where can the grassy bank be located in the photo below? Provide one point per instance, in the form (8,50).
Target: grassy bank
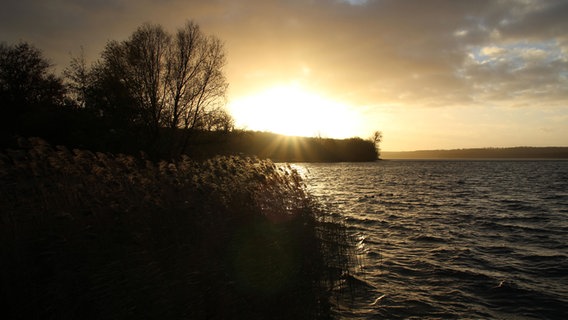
(97,236)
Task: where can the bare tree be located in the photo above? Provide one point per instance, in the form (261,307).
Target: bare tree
(147,72)
(78,79)
(176,80)
(197,85)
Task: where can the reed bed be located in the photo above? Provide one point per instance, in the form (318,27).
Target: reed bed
(99,236)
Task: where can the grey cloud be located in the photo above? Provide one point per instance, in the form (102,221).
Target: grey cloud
(541,19)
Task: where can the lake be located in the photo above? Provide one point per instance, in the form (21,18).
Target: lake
(453,239)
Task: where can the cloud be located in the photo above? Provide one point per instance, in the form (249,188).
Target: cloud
(423,53)
(492,51)
(355,2)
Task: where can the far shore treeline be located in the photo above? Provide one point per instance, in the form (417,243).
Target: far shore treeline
(483,153)
(280,148)
(158,93)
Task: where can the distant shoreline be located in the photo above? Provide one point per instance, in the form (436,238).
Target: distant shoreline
(519,153)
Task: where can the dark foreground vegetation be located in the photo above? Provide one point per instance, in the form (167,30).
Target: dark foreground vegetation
(95,236)
(483,153)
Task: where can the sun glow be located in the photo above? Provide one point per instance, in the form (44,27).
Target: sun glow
(293,111)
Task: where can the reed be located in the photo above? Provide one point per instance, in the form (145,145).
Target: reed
(96,235)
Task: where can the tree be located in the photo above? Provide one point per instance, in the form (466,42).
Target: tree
(175,82)
(377,138)
(197,83)
(217,120)
(146,72)
(26,85)
(79,79)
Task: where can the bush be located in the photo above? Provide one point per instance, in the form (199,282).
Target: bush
(94,235)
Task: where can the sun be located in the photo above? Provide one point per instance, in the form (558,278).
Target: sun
(293,111)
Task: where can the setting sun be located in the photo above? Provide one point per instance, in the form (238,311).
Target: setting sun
(293,111)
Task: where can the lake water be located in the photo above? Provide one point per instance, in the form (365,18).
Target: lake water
(453,239)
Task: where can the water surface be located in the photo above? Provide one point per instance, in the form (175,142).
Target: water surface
(454,239)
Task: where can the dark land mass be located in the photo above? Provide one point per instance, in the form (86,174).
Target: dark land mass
(280,148)
(207,144)
(482,153)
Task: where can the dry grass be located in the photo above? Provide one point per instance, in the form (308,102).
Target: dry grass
(94,235)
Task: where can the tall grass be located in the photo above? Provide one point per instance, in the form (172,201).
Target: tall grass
(96,235)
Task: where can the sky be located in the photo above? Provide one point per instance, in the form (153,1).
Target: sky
(429,74)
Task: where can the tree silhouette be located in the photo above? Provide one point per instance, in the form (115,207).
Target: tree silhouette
(78,79)
(26,87)
(217,119)
(164,81)
(377,138)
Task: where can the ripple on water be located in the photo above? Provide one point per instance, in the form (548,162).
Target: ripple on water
(454,239)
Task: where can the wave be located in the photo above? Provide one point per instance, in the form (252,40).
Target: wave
(456,239)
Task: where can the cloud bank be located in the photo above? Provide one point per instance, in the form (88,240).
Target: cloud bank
(422,52)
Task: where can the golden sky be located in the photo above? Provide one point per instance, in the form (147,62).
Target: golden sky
(430,74)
